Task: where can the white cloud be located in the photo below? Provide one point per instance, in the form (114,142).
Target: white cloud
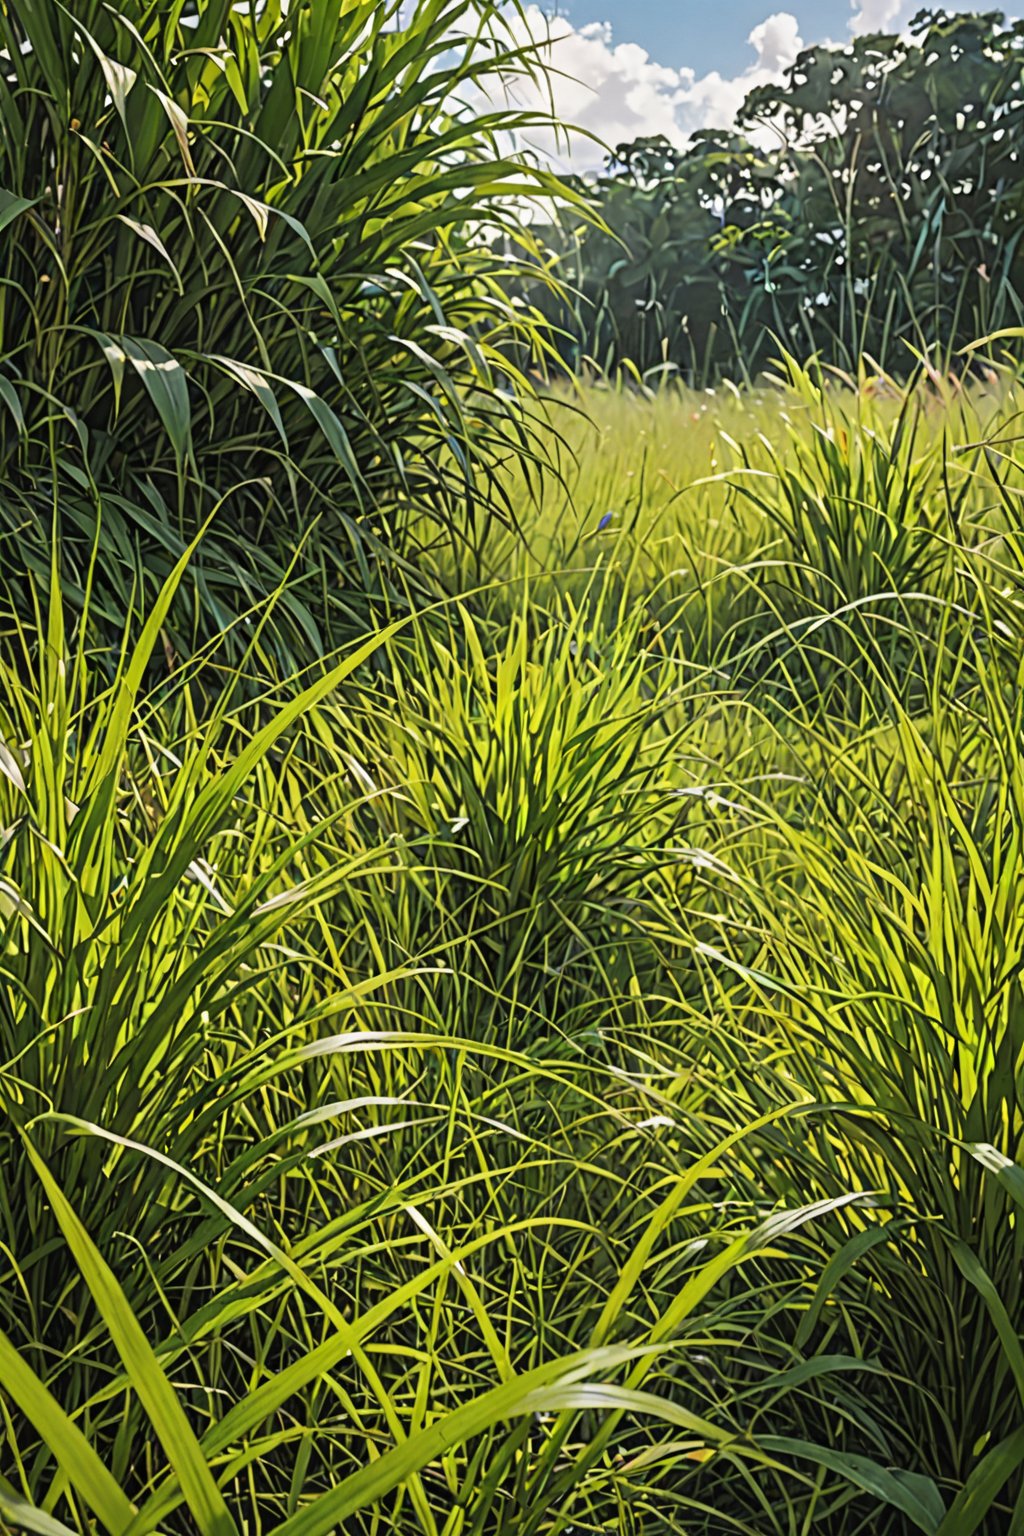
(878,15)
(777,42)
(614,90)
(617,92)
(895,15)
(713,100)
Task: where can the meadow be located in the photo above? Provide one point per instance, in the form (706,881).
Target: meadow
(559,1071)
(511,917)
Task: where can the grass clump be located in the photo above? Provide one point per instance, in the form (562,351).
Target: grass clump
(277,1239)
(552,1065)
(242,250)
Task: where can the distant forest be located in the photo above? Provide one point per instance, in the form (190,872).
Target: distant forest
(870,204)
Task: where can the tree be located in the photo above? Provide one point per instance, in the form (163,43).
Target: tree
(873,203)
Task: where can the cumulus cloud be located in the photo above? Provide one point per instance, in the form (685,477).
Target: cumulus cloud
(617,92)
(877,15)
(895,15)
(614,90)
(776,41)
(713,100)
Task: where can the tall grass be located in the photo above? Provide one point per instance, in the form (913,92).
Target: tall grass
(538,1062)
(554,1067)
(278,1243)
(868,835)
(243,274)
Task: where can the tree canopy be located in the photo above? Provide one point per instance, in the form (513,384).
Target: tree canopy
(870,202)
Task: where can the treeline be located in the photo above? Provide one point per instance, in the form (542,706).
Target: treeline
(870,203)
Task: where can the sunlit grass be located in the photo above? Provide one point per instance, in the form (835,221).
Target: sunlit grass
(561,1071)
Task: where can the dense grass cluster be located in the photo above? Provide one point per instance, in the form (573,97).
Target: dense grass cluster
(243,284)
(511,925)
(556,1069)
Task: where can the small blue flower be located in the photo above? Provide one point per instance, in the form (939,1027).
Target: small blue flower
(604,522)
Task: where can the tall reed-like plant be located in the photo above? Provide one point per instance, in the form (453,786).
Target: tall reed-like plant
(242,271)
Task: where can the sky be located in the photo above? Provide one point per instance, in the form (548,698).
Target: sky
(630,67)
(702,35)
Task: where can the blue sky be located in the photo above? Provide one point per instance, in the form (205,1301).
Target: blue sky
(704,35)
(625,68)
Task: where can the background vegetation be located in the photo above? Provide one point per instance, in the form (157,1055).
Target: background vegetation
(870,204)
(551,1063)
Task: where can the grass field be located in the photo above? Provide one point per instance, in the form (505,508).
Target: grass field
(561,1071)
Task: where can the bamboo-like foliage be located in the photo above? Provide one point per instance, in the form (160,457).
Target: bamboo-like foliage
(241,272)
